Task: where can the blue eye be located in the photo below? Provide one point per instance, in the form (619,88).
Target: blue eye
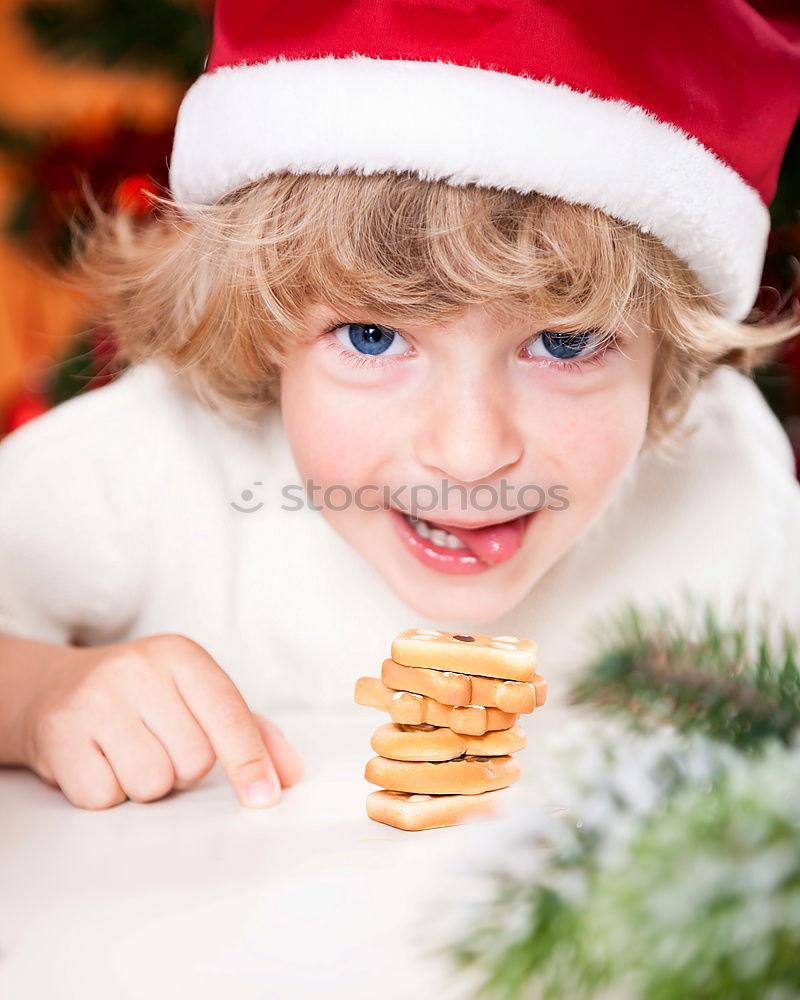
(369,338)
(564,346)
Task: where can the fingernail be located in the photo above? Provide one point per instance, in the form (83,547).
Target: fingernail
(260,794)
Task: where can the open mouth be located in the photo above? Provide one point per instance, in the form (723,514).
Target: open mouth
(458,548)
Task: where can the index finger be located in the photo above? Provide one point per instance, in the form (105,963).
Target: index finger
(222,713)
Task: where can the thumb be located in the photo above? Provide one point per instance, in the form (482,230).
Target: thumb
(288,761)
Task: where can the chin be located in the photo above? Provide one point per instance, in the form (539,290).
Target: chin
(471,602)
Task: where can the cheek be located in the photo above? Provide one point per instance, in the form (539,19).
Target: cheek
(590,442)
(332,439)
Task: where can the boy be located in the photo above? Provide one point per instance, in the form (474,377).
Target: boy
(469,278)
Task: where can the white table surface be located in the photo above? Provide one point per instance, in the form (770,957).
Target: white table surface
(195,895)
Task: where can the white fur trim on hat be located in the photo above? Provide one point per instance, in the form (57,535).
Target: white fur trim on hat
(471,125)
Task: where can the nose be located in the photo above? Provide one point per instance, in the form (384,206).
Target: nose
(467,430)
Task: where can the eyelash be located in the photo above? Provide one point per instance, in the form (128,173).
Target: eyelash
(607,346)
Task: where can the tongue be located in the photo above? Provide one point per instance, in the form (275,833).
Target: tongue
(493,544)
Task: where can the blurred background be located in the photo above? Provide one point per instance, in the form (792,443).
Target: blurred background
(89,91)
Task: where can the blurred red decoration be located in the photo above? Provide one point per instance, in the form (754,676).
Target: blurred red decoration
(125,164)
(134,194)
(27,406)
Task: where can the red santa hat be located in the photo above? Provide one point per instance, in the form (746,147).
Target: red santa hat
(673,116)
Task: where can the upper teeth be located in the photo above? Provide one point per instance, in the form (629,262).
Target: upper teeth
(437,535)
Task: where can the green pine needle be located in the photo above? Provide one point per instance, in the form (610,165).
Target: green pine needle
(730,683)
(16,143)
(156,34)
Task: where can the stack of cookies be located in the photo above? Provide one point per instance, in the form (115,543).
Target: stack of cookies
(454,699)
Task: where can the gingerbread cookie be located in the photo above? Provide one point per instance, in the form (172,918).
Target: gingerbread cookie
(462,690)
(413,709)
(505,656)
(509,696)
(425,812)
(433,743)
(474,720)
(466,775)
(442,685)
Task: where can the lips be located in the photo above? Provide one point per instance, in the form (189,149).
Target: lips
(485,545)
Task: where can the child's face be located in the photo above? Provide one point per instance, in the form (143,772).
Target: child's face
(520,421)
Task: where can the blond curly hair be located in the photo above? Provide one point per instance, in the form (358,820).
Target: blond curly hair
(220,292)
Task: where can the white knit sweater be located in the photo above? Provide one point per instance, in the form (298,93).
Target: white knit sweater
(116,521)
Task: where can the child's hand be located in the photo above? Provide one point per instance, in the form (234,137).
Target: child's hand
(136,720)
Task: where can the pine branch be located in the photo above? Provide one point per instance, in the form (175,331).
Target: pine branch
(711,679)
(695,895)
(165,34)
(15,143)
(785,205)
